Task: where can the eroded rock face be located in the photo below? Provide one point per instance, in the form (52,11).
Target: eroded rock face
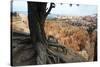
(76,38)
(69,36)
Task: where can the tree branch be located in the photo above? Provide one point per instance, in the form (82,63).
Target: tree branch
(52,5)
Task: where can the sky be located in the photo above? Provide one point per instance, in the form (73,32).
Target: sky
(63,9)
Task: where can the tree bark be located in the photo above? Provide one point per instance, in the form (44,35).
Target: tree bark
(36,17)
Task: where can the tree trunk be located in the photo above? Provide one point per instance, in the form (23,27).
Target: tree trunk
(36,17)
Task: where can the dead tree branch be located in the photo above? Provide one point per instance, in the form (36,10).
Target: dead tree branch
(52,5)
